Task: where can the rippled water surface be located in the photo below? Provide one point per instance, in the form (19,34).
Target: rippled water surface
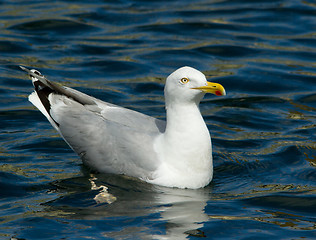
(263,131)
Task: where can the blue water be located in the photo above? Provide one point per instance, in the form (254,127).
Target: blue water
(263,131)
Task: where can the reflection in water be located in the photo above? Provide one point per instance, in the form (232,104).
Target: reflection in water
(177,212)
(183,211)
(180,211)
(103,196)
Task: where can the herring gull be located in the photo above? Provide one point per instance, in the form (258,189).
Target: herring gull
(112,139)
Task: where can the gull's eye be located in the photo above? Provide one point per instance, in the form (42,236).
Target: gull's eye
(184,80)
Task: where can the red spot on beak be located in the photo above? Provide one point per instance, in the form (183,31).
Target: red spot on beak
(218,93)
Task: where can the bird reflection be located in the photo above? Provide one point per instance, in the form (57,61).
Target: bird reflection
(177,212)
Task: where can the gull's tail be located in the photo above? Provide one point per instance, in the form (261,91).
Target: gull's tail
(43,88)
(40,96)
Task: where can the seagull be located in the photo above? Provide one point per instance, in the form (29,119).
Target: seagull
(113,139)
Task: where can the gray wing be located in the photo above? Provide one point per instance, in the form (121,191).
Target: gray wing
(107,137)
(121,115)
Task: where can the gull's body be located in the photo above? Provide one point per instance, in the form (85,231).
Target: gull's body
(113,139)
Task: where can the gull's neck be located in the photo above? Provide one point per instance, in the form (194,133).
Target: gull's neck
(183,119)
(186,147)
(186,128)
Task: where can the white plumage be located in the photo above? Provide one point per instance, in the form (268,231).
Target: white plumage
(113,139)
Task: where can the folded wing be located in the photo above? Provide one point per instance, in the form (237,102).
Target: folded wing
(107,137)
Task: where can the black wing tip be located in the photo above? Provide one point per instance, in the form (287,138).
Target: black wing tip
(43,85)
(42,90)
(33,73)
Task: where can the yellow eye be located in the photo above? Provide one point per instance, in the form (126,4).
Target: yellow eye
(184,80)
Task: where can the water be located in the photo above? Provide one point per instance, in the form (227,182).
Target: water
(263,131)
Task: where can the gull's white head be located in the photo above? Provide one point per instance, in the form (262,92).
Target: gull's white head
(187,85)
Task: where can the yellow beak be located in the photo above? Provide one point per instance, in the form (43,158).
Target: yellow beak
(214,88)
